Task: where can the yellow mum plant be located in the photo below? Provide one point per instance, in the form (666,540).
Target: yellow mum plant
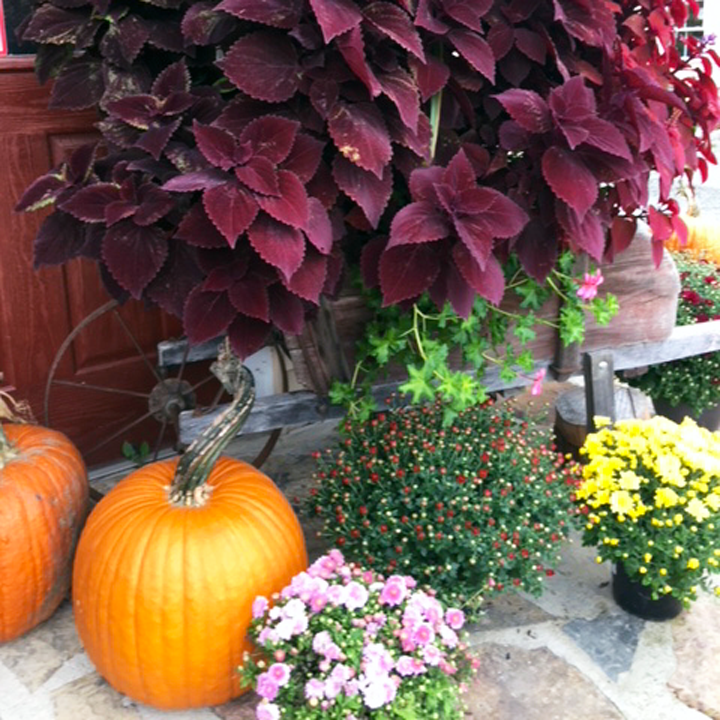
(650,500)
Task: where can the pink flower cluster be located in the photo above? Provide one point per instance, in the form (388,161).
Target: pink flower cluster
(405,633)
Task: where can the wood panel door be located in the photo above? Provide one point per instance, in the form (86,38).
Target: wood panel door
(38,309)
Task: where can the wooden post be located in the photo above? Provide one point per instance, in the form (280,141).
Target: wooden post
(599,390)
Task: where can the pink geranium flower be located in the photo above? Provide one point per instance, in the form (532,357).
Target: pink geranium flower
(536,388)
(589,288)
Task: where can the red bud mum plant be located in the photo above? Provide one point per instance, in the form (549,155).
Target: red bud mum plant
(250,150)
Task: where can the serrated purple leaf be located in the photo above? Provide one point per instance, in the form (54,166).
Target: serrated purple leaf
(501,39)
(319,228)
(394,22)
(196,229)
(166,34)
(154,204)
(202,180)
(423,182)
(174,78)
(206,315)
(527,109)
(499,215)
(61,237)
(308,280)
(175,281)
(41,192)
(264,65)
(260,176)
(216,145)
(537,248)
(250,297)
(203,24)
(133,33)
(607,137)
(352,48)
(52,25)
(407,271)
(271,137)
(323,96)
(335,17)
(119,210)
(154,140)
(459,174)
(247,335)
(219,279)
(370,261)
(283,14)
(474,235)
(134,254)
(570,179)
(531,44)
(88,204)
(451,286)
(304,157)
(277,244)
(418,142)
(467,14)
(489,282)
(400,87)
(286,310)
(476,51)
(418,222)
(79,85)
(291,204)
(584,233)
(231,208)
(369,192)
(424,18)
(360,134)
(430,76)
(136,110)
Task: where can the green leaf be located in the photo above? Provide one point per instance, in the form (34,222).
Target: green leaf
(525,361)
(572,324)
(418,384)
(533,295)
(524,330)
(341,393)
(507,374)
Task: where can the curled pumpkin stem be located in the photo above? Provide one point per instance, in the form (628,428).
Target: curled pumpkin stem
(14,411)
(188,486)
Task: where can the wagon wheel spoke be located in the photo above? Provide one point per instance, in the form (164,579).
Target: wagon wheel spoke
(101,388)
(119,432)
(137,346)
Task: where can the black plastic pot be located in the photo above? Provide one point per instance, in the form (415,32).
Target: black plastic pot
(633,597)
(709,419)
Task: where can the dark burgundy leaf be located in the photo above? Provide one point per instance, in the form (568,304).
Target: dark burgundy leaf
(271,137)
(400,87)
(527,109)
(335,17)
(360,134)
(134,254)
(418,142)
(334,277)
(279,245)
(622,232)
(530,44)
(474,235)
(203,24)
(572,101)
(286,310)
(135,110)
(50,59)
(394,22)
(488,283)
(585,233)
(430,76)
(259,175)
(154,204)
(231,209)
(606,137)
(324,94)
(418,222)
(88,204)
(52,25)
(277,13)
(216,145)
(451,286)
(156,138)
(323,187)
(499,215)
(79,85)
(291,206)
(197,229)
(249,296)
(174,78)
(537,248)
(501,39)
(247,335)
(425,18)
(569,178)
(423,182)
(203,180)
(352,48)
(123,83)
(369,192)
(459,174)
(167,35)
(207,315)
(476,51)
(407,271)
(132,35)
(515,68)
(179,275)
(81,162)
(219,279)
(42,192)
(119,210)
(370,261)
(319,228)
(466,13)
(660,224)
(263,65)
(304,157)
(309,279)
(61,237)
(111,286)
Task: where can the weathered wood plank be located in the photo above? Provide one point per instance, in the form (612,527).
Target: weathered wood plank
(599,390)
(171,352)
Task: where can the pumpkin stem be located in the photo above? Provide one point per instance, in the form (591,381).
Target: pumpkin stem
(188,485)
(15,412)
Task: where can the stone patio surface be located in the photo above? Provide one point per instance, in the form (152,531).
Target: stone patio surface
(570,654)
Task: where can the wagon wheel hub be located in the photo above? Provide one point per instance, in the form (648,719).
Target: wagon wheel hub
(169,398)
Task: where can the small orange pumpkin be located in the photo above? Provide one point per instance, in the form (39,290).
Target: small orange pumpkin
(703,238)
(43,503)
(168,566)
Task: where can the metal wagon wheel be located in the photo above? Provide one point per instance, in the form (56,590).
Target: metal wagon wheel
(164,393)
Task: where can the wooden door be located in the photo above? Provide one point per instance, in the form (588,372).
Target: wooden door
(38,309)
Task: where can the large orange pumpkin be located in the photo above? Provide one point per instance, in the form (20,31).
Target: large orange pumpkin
(168,566)
(43,503)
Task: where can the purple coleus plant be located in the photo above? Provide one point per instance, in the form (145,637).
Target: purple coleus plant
(251,151)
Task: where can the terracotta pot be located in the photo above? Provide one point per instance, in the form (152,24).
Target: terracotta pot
(709,419)
(633,597)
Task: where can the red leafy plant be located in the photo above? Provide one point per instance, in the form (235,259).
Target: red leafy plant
(252,150)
